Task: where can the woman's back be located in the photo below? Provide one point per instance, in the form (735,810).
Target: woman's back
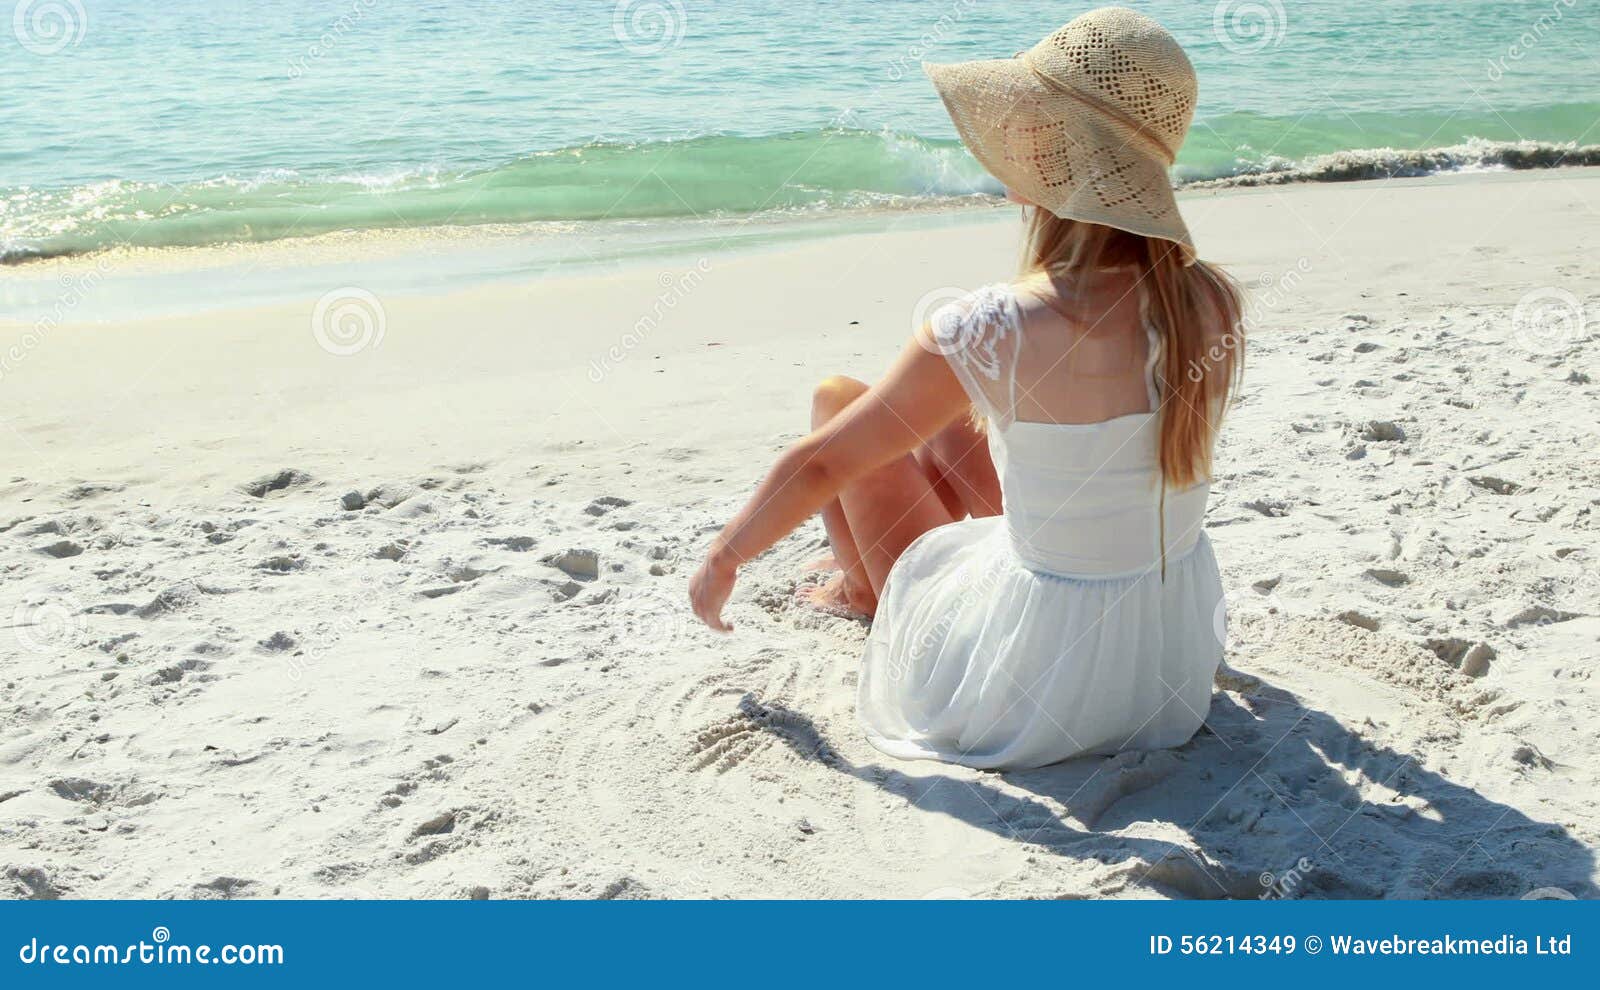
(1084,349)
(1067,381)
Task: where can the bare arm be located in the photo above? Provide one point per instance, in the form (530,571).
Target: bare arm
(917,398)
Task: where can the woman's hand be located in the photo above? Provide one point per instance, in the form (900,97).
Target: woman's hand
(919,397)
(709,590)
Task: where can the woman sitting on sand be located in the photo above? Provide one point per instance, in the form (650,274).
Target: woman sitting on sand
(1081,620)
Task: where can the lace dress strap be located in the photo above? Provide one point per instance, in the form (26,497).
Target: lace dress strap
(979,335)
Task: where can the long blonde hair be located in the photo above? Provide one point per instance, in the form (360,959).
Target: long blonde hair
(1196,309)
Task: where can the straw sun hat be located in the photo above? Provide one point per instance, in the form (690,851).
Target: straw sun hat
(1085,123)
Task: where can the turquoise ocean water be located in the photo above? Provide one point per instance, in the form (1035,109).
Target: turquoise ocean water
(194,122)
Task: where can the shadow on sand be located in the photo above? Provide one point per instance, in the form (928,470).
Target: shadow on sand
(1265,775)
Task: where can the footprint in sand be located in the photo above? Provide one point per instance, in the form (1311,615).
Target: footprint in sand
(272,484)
(1382,430)
(516,544)
(282,564)
(1490,483)
(1465,655)
(223,889)
(32,883)
(278,642)
(605,504)
(584,565)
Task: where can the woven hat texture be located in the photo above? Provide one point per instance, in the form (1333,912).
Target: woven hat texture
(1086,123)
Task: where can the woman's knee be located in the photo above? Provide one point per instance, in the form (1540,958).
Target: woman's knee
(831,395)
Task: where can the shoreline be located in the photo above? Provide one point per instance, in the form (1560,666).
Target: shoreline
(904,172)
(173,281)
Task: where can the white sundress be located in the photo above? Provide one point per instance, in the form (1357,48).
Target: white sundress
(1064,626)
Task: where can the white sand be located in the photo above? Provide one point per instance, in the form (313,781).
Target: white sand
(211,693)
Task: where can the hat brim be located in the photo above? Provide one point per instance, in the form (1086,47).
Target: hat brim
(1057,151)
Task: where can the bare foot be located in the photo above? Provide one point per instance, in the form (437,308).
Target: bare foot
(833,597)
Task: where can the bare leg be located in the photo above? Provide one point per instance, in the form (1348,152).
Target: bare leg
(853,589)
(958,466)
(879,515)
